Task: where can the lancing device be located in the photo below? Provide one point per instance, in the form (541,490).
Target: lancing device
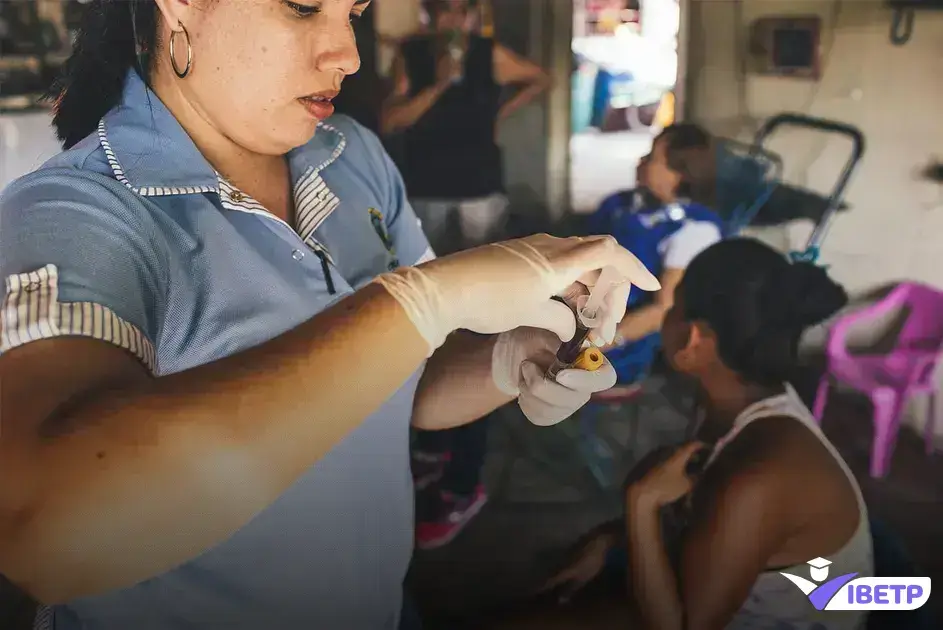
(571,354)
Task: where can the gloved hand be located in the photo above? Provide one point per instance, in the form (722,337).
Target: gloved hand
(519,365)
(503,286)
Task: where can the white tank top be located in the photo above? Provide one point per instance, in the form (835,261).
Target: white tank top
(775,602)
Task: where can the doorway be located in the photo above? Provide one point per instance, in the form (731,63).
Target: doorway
(623,91)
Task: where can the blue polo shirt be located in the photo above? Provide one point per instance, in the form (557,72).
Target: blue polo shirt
(132,238)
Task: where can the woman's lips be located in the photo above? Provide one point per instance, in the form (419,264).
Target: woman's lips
(318,107)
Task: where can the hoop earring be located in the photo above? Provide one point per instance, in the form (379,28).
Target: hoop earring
(173,58)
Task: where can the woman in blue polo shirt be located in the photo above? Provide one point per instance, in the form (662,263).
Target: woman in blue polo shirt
(220,318)
(666,221)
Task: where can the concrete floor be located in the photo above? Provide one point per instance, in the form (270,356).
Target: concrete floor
(544,499)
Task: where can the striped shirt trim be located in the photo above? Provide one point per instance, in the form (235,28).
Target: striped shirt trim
(341,145)
(234,199)
(31,311)
(146,191)
(158,191)
(43,619)
(314,201)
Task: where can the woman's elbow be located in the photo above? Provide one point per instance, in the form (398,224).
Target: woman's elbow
(28,564)
(536,84)
(28,556)
(18,561)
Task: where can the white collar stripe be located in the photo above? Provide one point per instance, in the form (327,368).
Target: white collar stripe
(145,191)
(314,200)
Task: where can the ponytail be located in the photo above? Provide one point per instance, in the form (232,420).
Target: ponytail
(115,36)
(758,304)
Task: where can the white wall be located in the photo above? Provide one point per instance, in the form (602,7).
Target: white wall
(26,141)
(894,94)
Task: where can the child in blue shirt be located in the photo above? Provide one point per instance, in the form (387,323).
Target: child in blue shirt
(666,221)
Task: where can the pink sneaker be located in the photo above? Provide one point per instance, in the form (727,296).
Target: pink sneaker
(457,512)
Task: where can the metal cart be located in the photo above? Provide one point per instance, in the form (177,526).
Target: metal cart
(832,203)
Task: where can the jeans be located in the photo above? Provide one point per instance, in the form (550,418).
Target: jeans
(467,445)
(409,618)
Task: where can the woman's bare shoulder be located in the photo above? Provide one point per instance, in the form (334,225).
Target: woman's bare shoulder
(780,455)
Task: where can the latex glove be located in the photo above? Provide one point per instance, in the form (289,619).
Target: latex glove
(503,286)
(519,364)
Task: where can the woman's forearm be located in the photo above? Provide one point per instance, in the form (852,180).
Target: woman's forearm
(646,320)
(153,476)
(653,583)
(403,113)
(457,386)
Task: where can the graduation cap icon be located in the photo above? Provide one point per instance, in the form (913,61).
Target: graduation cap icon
(818,568)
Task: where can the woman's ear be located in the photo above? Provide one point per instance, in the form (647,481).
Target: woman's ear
(174,12)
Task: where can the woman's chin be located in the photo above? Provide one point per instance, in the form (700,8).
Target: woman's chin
(297,136)
(306,137)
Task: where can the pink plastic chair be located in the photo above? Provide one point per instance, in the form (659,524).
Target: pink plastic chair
(890,379)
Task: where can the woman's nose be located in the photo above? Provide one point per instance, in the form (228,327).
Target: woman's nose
(340,54)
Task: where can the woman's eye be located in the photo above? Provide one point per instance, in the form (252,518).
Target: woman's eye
(302,10)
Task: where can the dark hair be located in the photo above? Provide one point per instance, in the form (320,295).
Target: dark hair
(689,150)
(114,36)
(758,304)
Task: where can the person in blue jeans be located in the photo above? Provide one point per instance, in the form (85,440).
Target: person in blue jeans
(447,469)
(666,221)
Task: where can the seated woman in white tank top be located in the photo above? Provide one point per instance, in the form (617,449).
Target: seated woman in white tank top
(771,495)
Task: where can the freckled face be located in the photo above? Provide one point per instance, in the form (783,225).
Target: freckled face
(260,67)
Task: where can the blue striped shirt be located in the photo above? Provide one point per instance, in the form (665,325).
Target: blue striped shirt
(132,238)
